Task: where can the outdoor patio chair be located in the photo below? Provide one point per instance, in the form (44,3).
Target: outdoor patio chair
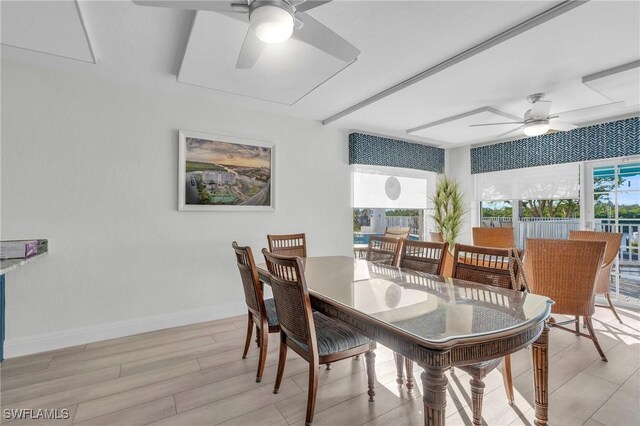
(397,231)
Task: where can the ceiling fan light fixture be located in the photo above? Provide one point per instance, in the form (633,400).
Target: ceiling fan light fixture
(536,128)
(271,23)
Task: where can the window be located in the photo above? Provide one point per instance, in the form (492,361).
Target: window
(550,209)
(616,208)
(538,202)
(388,197)
(496,213)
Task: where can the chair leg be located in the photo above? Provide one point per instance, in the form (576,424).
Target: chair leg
(329,366)
(370,359)
(507,378)
(264,343)
(613,308)
(577,325)
(257,336)
(477,391)
(587,320)
(282,359)
(399,368)
(313,390)
(408,365)
(247,343)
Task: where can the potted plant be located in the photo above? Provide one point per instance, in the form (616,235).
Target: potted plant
(448,213)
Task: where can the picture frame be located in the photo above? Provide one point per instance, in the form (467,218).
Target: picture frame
(225,173)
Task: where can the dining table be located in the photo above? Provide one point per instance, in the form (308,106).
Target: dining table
(436,321)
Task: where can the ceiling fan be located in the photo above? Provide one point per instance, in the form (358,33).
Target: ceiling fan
(270,22)
(537,120)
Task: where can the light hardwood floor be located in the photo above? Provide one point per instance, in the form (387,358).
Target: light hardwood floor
(194,375)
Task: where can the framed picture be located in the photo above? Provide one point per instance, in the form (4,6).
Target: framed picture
(224,173)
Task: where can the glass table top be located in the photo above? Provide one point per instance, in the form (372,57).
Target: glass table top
(430,307)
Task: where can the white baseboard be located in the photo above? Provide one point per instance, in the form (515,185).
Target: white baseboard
(19,346)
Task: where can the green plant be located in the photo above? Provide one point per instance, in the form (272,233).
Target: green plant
(448,210)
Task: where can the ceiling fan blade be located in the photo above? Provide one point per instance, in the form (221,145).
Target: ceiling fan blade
(561,126)
(540,110)
(212,6)
(310,4)
(316,34)
(494,124)
(251,50)
(593,109)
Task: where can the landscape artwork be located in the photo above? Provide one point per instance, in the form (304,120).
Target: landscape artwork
(224,173)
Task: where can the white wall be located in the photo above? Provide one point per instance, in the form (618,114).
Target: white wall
(92,166)
(458,166)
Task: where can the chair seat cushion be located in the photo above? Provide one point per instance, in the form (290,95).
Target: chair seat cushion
(272,316)
(333,336)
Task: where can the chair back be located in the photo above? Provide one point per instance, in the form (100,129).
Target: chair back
(397,231)
(292,301)
(564,271)
(288,244)
(250,282)
(384,250)
(485,265)
(613,240)
(494,237)
(423,256)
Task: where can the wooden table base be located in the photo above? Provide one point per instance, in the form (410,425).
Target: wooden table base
(540,353)
(434,395)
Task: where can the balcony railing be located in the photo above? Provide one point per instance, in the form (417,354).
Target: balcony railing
(535,227)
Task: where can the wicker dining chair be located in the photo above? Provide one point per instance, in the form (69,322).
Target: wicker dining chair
(397,231)
(317,338)
(566,271)
(493,237)
(262,312)
(288,244)
(493,267)
(384,250)
(422,256)
(613,240)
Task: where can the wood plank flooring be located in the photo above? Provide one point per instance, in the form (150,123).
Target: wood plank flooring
(194,375)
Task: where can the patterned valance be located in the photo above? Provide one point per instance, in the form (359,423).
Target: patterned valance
(609,140)
(379,151)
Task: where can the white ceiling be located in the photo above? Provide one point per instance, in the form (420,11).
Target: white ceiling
(144,47)
(617,84)
(51,27)
(456,130)
(284,73)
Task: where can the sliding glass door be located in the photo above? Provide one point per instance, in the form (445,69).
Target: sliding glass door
(613,197)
